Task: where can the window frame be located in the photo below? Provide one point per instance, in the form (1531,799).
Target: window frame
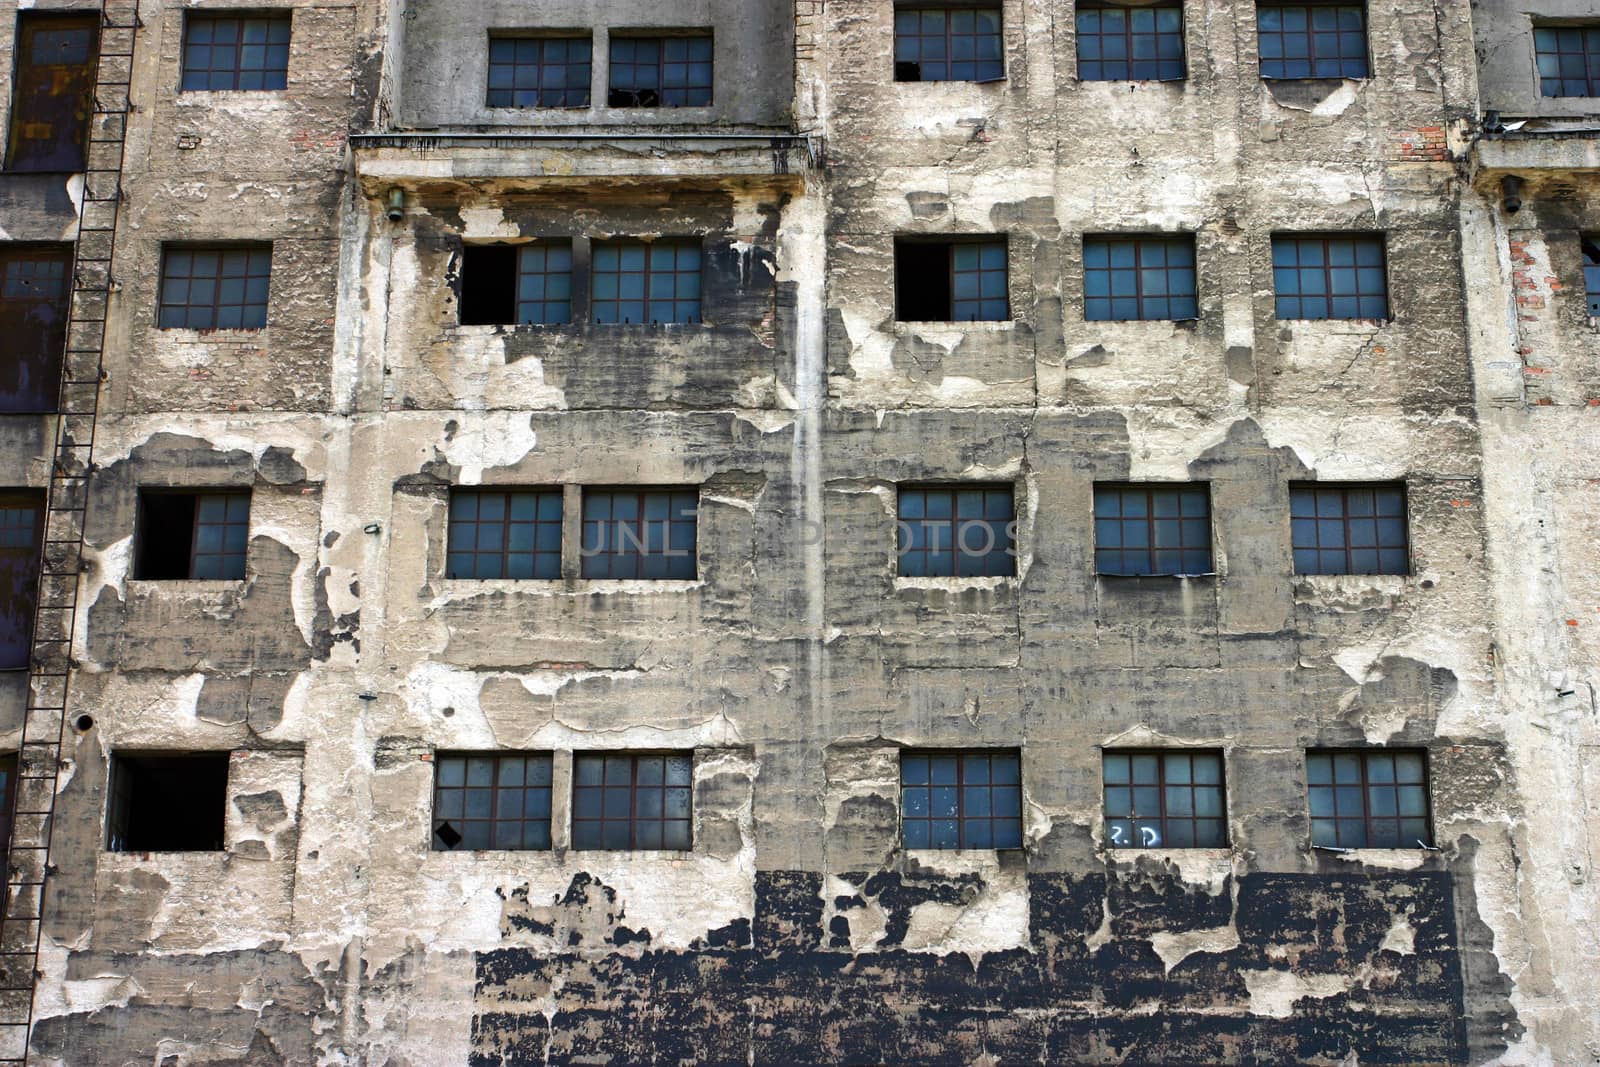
(1140,243)
(119,788)
(1150,518)
(633,820)
(1591,58)
(251,249)
(1161,755)
(1367,818)
(29,311)
(961,755)
(1344,489)
(1008,548)
(540,494)
(1309,7)
(621,245)
(639,493)
(27,558)
(494,819)
(947,9)
(1589,260)
(1127,35)
(949,243)
(1328,296)
(28,78)
(659,37)
(272,18)
(199,493)
(543,37)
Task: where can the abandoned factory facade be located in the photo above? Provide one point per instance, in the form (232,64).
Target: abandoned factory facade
(799,532)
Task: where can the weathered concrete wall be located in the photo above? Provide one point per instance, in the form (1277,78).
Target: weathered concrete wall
(1508,71)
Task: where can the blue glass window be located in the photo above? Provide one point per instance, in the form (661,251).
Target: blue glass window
(661,71)
(965,531)
(491,801)
(1369,798)
(1569,60)
(1330,277)
(505,535)
(1141,529)
(1164,799)
(630,533)
(1349,529)
(221,535)
(215,287)
(227,52)
(951,281)
(1312,41)
(544,283)
(1139,278)
(640,282)
(21,516)
(540,71)
(1130,43)
(622,800)
(953,800)
(939,44)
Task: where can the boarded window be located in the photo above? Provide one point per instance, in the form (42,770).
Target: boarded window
(491,800)
(633,801)
(637,281)
(53,97)
(527,284)
(21,526)
(950,281)
(1330,277)
(952,800)
(192,535)
(1139,278)
(35,300)
(1117,43)
(956,531)
(1369,798)
(1164,799)
(167,803)
(1312,40)
(1147,529)
(1349,529)
(939,43)
(230,52)
(539,71)
(215,287)
(1568,59)
(634,533)
(661,71)
(505,535)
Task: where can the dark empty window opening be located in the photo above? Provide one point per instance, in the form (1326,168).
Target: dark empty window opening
(952,42)
(633,801)
(631,533)
(1332,277)
(661,71)
(653,282)
(21,527)
(1164,799)
(954,800)
(215,287)
(1349,529)
(233,52)
(34,302)
(956,531)
(950,281)
(1128,278)
(167,803)
(540,71)
(192,535)
(53,95)
(1369,798)
(1590,245)
(1154,530)
(516,284)
(505,535)
(1118,43)
(1568,59)
(491,801)
(8,799)
(1312,40)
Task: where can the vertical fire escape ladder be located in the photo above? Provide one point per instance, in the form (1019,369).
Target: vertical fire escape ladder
(28,866)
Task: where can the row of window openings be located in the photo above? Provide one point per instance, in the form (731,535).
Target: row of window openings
(1151,798)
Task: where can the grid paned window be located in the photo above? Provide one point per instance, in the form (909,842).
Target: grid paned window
(21,523)
(1349,529)
(951,281)
(1568,59)
(1591,273)
(1330,278)
(630,533)
(952,800)
(1369,798)
(1138,278)
(1312,41)
(33,321)
(654,282)
(215,288)
(1130,43)
(505,535)
(544,284)
(491,801)
(947,44)
(661,71)
(540,71)
(200,536)
(1168,799)
(229,52)
(1142,529)
(221,535)
(956,531)
(627,801)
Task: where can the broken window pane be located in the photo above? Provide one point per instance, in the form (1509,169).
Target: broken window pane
(1369,798)
(948,43)
(1330,277)
(1139,278)
(53,96)
(956,530)
(491,800)
(215,287)
(167,803)
(505,535)
(539,71)
(192,535)
(21,527)
(1569,60)
(1142,529)
(633,801)
(661,71)
(951,799)
(646,281)
(1130,43)
(1349,529)
(230,52)
(1312,40)
(1164,799)
(630,533)
(34,304)
(951,281)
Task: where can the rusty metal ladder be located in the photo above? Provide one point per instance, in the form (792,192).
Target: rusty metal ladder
(28,860)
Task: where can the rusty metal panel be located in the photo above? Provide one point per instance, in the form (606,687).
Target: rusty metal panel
(34,304)
(54,92)
(21,520)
